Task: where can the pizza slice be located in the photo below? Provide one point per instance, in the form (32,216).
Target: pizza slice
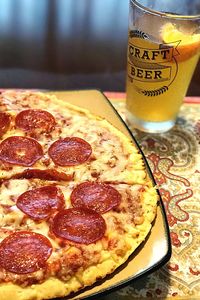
(68,235)
(43,137)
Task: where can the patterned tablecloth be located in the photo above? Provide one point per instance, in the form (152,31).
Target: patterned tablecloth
(174,158)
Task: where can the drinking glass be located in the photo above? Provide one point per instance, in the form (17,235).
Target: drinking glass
(163,51)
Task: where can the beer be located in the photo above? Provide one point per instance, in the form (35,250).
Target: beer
(162,57)
(158,78)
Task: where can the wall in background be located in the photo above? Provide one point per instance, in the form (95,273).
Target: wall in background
(64,35)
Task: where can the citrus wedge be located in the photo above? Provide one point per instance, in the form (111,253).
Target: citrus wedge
(187,45)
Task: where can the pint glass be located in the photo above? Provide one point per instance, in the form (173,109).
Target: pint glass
(163,51)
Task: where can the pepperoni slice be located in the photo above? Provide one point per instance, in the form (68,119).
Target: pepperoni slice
(4,122)
(83,226)
(70,151)
(19,150)
(32,119)
(41,202)
(24,252)
(97,196)
(49,174)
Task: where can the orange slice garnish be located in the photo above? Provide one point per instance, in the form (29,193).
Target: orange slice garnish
(187,45)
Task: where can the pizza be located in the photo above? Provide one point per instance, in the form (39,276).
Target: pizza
(75,197)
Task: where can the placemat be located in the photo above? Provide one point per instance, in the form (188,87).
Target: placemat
(174,158)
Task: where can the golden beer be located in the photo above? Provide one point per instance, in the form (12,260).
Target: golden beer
(157,81)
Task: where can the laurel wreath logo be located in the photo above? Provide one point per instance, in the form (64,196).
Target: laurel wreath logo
(152,93)
(138,34)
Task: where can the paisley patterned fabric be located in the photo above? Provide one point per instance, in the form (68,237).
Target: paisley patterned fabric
(174,158)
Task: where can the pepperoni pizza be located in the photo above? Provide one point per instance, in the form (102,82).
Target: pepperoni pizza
(75,198)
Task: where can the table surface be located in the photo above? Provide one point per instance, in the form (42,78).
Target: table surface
(174,158)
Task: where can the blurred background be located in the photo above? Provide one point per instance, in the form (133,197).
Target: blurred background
(66,44)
